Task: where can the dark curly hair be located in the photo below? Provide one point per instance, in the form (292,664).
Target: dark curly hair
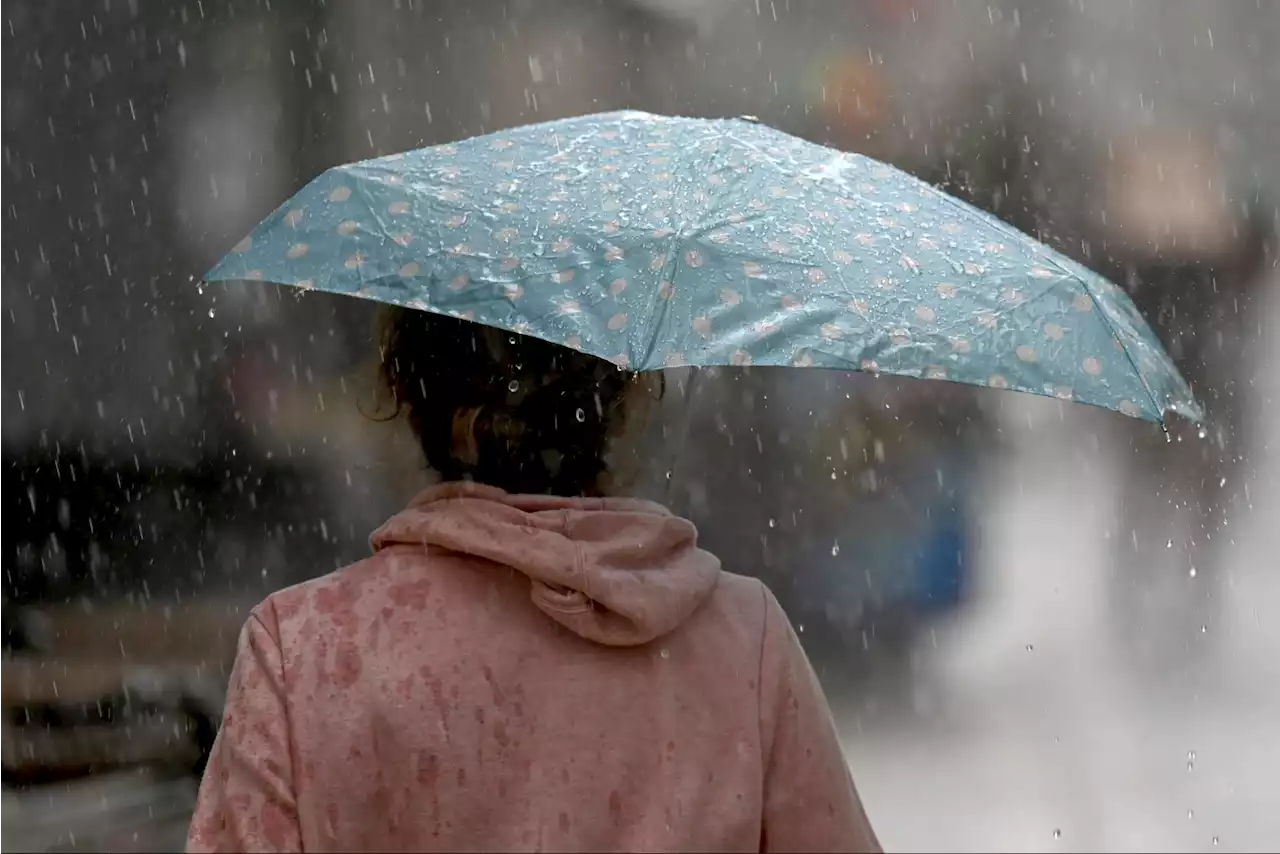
(506,410)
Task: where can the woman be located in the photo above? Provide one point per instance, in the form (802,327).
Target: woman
(523,664)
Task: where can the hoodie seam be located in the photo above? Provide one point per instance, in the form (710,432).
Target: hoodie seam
(580,570)
(285,696)
(579,559)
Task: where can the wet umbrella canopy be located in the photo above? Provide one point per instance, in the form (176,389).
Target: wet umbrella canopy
(658,242)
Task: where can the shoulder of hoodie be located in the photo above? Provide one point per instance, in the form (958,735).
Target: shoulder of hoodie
(349,590)
(738,608)
(747,593)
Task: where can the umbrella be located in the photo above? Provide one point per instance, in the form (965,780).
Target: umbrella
(659,242)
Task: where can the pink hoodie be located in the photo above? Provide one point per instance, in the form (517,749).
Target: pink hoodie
(646,701)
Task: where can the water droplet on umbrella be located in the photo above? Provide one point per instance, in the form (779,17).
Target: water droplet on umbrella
(664,653)
(211,312)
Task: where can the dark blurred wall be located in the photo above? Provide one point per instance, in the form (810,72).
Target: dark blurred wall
(138,139)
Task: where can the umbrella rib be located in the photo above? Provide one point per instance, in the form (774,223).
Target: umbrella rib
(657,304)
(1123,346)
(972,214)
(357,182)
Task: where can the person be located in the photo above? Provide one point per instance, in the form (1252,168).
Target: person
(524,663)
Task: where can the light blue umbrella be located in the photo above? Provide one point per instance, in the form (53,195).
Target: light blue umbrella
(658,242)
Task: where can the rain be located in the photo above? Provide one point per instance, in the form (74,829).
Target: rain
(1040,625)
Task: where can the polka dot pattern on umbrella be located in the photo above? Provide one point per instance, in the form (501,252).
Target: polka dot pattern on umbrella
(657,241)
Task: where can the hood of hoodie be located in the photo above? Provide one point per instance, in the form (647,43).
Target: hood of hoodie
(617,571)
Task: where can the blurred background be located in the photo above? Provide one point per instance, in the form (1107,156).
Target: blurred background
(1042,627)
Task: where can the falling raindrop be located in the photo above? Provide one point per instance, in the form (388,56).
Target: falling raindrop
(835,548)
(664,653)
(211,312)
(1192,572)
(513,386)
(773,523)
(1030,647)
(1191,813)
(581,415)
(1057,834)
